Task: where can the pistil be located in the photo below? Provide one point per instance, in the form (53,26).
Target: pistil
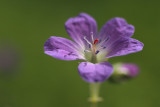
(95,42)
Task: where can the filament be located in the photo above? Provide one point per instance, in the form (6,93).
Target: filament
(87,41)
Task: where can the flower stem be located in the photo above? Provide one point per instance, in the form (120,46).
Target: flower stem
(94,94)
(93,104)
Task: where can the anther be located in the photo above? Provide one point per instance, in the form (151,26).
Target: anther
(97,52)
(107,39)
(102,47)
(99,40)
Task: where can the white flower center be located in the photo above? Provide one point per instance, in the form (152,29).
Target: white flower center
(94,48)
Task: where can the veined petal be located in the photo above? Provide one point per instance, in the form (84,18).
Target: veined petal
(98,72)
(80,26)
(61,48)
(124,47)
(116,28)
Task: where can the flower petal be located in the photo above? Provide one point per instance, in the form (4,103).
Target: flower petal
(61,48)
(124,47)
(116,28)
(81,26)
(98,72)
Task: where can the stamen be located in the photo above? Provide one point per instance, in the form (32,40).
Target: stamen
(92,36)
(87,41)
(102,47)
(87,51)
(97,52)
(100,43)
(107,39)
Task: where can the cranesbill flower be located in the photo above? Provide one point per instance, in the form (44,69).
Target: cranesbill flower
(124,72)
(114,39)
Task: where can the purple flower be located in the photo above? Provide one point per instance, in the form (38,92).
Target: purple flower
(123,72)
(114,39)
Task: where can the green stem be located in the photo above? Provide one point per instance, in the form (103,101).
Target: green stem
(93,104)
(94,58)
(94,94)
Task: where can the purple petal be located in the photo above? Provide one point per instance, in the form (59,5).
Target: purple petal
(98,72)
(81,26)
(124,47)
(116,28)
(61,48)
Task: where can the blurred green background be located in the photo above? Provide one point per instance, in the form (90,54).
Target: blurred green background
(43,81)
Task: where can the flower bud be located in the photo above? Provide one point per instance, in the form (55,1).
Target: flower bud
(123,72)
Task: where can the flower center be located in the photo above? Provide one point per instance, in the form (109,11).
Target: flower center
(94,47)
